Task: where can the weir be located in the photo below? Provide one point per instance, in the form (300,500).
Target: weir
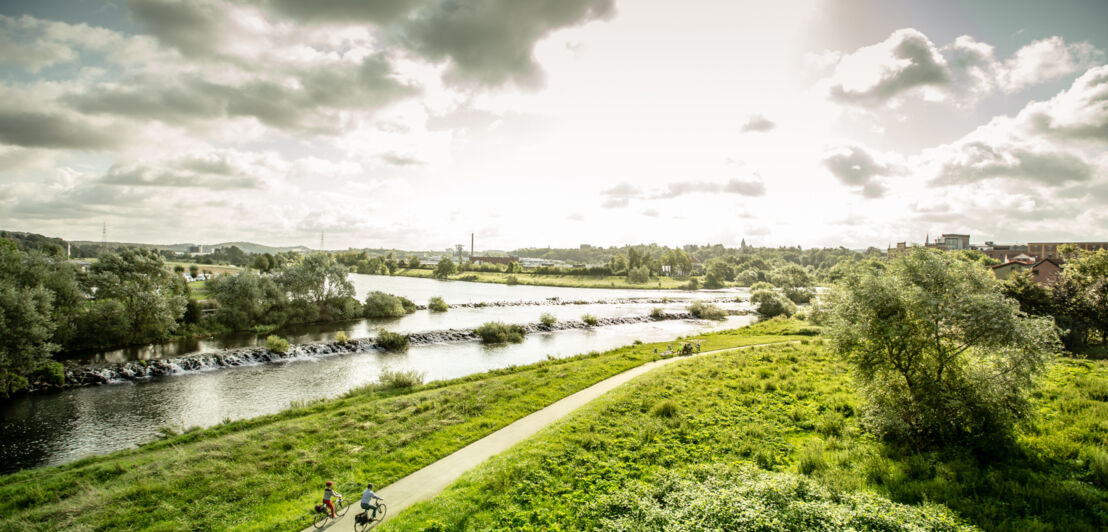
(91,375)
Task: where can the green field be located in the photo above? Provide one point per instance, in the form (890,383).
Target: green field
(769,439)
(568,281)
(266,473)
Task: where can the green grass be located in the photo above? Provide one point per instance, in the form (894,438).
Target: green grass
(266,473)
(568,281)
(657,453)
(198,290)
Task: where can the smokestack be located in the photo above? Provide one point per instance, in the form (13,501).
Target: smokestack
(471,246)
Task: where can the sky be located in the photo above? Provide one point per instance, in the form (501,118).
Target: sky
(412,123)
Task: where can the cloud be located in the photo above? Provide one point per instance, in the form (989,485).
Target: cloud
(876,74)
(1037,145)
(221,170)
(490,42)
(734,186)
(35,129)
(758,123)
(306,101)
(1080,112)
(377,11)
(908,63)
(195,27)
(976,161)
(856,167)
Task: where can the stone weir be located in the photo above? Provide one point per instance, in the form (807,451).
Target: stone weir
(251,356)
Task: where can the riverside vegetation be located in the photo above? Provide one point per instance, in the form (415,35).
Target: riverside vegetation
(771,439)
(259,474)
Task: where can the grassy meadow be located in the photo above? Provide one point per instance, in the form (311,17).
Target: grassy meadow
(266,473)
(770,439)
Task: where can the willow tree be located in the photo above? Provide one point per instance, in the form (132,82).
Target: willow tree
(941,356)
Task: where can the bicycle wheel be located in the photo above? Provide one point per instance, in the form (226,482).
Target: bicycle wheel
(321,518)
(361,523)
(341,507)
(381,509)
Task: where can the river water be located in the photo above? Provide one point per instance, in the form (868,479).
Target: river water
(55,428)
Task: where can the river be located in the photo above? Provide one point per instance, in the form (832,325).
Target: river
(55,428)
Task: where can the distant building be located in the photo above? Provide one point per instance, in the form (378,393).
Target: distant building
(531,262)
(1049,250)
(1002,271)
(950,242)
(1045,270)
(493,260)
(1001,252)
(900,249)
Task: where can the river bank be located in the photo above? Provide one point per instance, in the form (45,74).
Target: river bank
(264,473)
(562,281)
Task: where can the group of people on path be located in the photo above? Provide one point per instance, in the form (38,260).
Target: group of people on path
(367,499)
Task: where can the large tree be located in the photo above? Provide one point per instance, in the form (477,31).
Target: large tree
(316,278)
(152,296)
(940,354)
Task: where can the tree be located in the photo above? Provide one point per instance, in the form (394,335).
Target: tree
(194,270)
(152,297)
(638,275)
(794,281)
(941,356)
(719,272)
(413,262)
(618,264)
(245,299)
(317,279)
(445,268)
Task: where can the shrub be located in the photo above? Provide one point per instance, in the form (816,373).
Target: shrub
(391,379)
(707,311)
(512,280)
(52,372)
(437,305)
(664,408)
(693,284)
(974,357)
(382,305)
(638,275)
(277,344)
(390,341)
(548,319)
(658,313)
(407,304)
(496,332)
(769,303)
(445,268)
(341,337)
(761,285)
(590,320)
(720,498)
(11,383)
(811,458)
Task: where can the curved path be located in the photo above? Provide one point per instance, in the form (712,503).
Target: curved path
(429,481)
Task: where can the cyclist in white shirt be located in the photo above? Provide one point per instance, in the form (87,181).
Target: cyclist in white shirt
(367,501)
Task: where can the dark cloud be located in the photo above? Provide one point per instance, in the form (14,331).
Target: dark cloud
(35,129)
(84,201)
(758,123)
(212,173)
(491,41)
(854,166)
(377,11)
(977,161)
(195,27)
(910,61)
(311,105)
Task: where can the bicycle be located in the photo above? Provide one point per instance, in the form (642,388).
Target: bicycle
(323,514)
(363,521)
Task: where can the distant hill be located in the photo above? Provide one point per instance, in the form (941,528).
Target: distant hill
(30,241)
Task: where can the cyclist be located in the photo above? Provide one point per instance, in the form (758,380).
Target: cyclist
(367,501)
(328,493)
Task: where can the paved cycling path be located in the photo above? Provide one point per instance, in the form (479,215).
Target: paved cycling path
(429,481)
